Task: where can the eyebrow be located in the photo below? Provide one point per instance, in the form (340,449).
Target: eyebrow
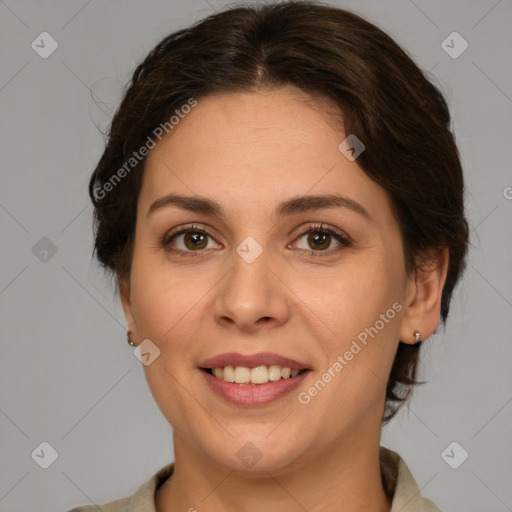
(294,205)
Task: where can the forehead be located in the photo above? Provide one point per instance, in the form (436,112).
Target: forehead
(258,148)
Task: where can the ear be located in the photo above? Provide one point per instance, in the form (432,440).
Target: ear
(124,293)
(424,292)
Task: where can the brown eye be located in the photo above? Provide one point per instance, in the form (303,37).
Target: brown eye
(194,241)
(320,239)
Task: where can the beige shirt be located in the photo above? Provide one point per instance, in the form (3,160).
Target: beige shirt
(396,477)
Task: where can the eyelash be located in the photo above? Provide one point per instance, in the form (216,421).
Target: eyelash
(318,228)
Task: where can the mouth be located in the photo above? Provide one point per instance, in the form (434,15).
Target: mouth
(256,376)
(253,379)
(253,387)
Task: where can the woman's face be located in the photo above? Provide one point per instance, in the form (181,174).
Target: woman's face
(251,285)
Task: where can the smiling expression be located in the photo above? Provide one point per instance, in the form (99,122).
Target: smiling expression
(326,268)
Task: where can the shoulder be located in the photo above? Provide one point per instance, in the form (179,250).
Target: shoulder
(401,485)
(120,505)
(143,500)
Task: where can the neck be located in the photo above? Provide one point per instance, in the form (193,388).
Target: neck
(346,474)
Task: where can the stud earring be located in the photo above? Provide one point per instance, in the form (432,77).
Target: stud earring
(129,338)
(417,337)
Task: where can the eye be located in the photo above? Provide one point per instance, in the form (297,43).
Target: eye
(194,240)
(320,238)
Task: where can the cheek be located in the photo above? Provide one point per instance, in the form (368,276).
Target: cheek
(363,314)
(163,306)
(363,311)
(354,296)
(159,297)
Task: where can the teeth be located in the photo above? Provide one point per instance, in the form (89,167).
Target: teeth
(274,372)
(242,375)
(258,375)
(228,374)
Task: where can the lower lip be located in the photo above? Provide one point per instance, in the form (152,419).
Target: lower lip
(253,394)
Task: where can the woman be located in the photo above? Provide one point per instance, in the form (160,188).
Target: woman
(280,202)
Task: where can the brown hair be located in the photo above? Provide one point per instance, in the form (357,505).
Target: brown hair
(386,101)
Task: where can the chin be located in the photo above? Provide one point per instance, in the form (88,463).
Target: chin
(256,455)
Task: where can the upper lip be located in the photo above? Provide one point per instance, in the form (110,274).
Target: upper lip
(252,361)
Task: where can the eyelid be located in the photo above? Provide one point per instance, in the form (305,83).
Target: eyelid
(320,226)
(344,241)
(180,230)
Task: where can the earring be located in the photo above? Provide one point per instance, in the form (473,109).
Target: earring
(417,337)
(129,338)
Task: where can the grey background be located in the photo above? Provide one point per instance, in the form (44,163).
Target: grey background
(67,375)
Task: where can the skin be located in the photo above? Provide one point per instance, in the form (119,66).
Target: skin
(249,152)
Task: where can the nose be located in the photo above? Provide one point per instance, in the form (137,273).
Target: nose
(253,295)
